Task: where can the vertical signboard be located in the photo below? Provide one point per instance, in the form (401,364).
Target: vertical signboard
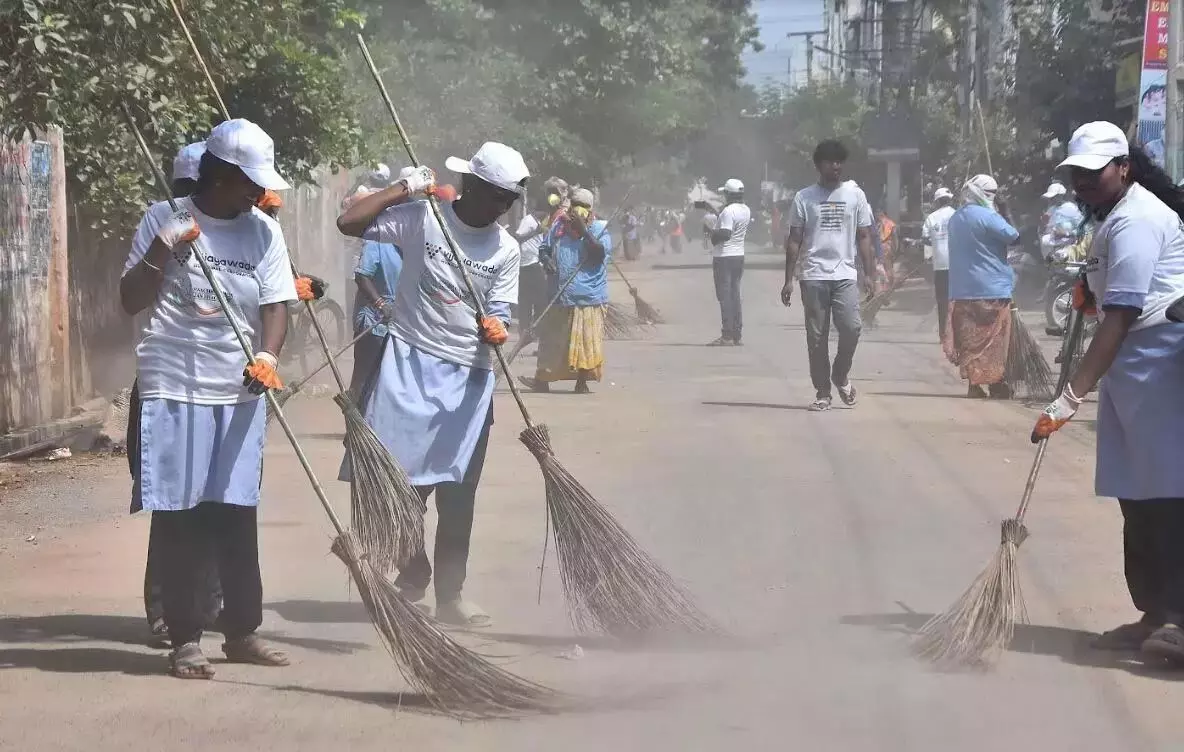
(1153,88)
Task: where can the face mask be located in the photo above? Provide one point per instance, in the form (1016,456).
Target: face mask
(554,199)
(582,212)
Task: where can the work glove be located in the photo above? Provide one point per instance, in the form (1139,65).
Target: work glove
(261,375)
(492,331)
(270,202)
(386,306)
(1083,299)
(1057,414)
(178,232)
(309,287)
(421,181)
(446,193)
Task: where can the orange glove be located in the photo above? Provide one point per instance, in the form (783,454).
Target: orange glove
(492,331)
(270,201)
(1059,412)
(1083,299)
(261,375)
(444,192)
(309,287)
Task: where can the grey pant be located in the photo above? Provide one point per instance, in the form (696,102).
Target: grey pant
(821,300)
(727,271)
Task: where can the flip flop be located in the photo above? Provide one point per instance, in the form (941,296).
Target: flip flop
(188,662)
(462,613)
(253,650)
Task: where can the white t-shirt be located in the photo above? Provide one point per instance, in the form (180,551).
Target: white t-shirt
(829,221)
(189,352)
(936,234)
(433,311)
(734,217)
(530,247)
(1137,257)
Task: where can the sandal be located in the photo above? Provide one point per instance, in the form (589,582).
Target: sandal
(462,613)
(1167,644)
(188,662)
(252,649)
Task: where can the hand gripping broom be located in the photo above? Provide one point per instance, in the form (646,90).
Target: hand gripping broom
(981,623)
(454,680)
(609,581)
(386,510)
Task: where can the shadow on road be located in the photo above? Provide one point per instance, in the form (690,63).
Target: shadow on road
(320,612)
(764,405)
(923,395)
(84,661)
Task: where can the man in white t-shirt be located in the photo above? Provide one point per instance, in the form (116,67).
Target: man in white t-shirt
(936,237)
(831,223)
(727,261)
(531,232)
(432,401)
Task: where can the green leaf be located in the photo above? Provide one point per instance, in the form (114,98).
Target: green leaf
(39,44)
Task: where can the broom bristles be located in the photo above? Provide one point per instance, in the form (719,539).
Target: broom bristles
(456,681)
(387,510)
(976,629)
(646,313)
(619,323)
(1027,370)
(610,583)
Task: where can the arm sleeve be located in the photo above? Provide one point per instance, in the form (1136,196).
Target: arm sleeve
(1134,252)
(276,284)
(400,225)
(145,234)
(368,263)
(999,227)
(797,217)
(528,225)
(863,212)
(927,229)
(727,220)
(505,285)
(605,239)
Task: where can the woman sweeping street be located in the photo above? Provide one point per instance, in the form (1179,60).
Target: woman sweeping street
(981,283)
(200,424)
(1135,273)
(431,402)
(571,343)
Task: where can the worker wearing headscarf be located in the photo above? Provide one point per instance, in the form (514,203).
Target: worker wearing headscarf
(981,285)
(571,343)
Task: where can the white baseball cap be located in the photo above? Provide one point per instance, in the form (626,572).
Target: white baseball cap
(941,193)
(1094,145)
(1055,189)
(496,164)
(244,144)
(731,186)
(187,161)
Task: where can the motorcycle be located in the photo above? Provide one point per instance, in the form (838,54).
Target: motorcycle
(1058,294)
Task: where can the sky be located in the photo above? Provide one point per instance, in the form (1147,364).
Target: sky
(777,18)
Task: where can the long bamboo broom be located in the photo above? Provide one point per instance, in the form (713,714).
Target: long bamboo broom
(872,307)
(386,510)
(531,332)
(454,680)
(980,624)
(1027,371)
(646,313)
(609,581)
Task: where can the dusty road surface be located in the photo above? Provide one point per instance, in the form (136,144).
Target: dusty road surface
(818,540)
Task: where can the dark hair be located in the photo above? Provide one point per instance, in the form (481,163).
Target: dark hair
(211,168)
(1151,176)
(183,187)
(831,150)
(1154,89)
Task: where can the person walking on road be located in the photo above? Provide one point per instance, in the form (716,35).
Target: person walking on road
(199,426)
(571,343)
(936,236)
(981,284)
(531,233)
(727,260)
(831,224)
(1135,273)
(432,400)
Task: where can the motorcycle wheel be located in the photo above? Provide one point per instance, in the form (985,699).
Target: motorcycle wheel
(1057,304)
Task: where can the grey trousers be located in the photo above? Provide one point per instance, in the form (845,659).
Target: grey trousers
(821,300)
(727,271)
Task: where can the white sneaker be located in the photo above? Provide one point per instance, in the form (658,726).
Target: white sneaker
(822,404)
(848,394)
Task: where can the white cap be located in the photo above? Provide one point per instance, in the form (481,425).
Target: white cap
(244,144)
(496,164)
(380,174)
(731,186)
(941,193)
(187,161)
(1094,145)
(583,196)
(1055,189)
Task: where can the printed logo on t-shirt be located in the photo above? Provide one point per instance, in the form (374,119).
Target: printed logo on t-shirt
(201,296)
(435,252)
(831,215)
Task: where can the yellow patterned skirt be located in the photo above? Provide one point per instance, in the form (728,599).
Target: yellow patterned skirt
(571,344)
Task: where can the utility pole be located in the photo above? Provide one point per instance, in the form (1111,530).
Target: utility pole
(809,35)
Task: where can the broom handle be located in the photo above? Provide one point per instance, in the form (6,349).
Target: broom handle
(571,277)
(224,304)
(226,115)
(200,60)
(632,289)
(1031,484)
(982,126)
(295,387)
(452,246)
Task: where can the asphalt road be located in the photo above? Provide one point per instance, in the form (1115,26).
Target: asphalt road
(818,540)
